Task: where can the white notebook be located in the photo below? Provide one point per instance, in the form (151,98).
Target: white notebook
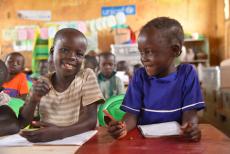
(17,140)
(160,129)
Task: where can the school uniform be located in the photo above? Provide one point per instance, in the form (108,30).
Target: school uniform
(156,100)
(63,108)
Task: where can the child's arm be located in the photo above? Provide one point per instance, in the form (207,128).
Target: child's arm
(190,127)
(39,89)
(87,121)
(8,121)
(118,129)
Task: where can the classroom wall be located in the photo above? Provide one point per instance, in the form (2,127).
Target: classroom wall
(202,16)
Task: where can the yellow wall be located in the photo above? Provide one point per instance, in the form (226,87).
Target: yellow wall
(203,16)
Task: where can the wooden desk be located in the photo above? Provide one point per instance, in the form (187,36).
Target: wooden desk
(39,150)
(213,142)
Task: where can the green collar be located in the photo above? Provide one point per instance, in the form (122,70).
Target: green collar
(101,77)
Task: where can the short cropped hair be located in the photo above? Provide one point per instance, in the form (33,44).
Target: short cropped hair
(171,29)
(15,54)
(67,30)
(106,55)
(122,65)
(91,59)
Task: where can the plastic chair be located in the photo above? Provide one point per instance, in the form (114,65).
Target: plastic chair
(112,105)
(15,104)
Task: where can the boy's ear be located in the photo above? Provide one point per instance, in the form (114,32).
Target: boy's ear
(176,48)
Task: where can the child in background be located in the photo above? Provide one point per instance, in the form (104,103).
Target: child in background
(8,120)
(91,62)
(160,92)
(16,86)
(67,99)
(123,71)
(109,83)
(43,68)
(51,67)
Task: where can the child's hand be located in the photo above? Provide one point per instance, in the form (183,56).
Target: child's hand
(47,132)
(117,129)
(40,88)
(39,124)
(191,131)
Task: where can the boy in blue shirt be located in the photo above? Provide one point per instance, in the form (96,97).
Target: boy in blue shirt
(160,92)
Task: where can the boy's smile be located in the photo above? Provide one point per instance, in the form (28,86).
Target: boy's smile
(156,54)
(69,53)
(68,65)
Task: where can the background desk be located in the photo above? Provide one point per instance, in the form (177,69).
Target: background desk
(213,142)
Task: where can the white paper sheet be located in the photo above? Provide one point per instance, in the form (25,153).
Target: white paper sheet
(161,129)
(17,140)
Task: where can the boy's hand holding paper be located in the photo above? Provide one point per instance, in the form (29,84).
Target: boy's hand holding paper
(191,131)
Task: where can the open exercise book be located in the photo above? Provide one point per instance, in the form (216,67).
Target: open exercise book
(161,129)
(17,140)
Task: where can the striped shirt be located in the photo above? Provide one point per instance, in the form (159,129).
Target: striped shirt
(156,100)
(63,108)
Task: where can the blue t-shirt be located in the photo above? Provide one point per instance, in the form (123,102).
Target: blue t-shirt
(156,100)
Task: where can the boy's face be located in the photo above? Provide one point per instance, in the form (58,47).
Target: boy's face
(14,64)
(68,54)
(107,65)
(90,65)
(122,66)
(156,54)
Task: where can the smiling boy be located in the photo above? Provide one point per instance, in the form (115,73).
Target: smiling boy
(68,98)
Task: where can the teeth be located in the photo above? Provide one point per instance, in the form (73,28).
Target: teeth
(68,66)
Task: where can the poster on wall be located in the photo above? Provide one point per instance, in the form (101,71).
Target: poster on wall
(126,9)
(25,37)
(34,15)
